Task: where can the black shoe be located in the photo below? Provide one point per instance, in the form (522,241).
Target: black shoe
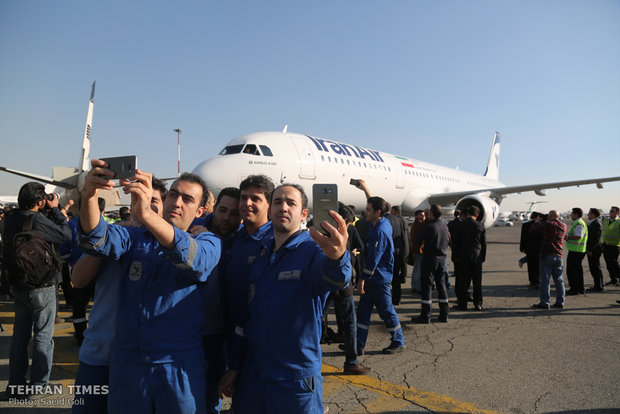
(357,369)
(459,307)
(612,283)
(421,320)
(394,349)
(443,319)
(540,306)
(8,395)
(595,290)
(558,306)
(360,352)
(478,308)
(572,293)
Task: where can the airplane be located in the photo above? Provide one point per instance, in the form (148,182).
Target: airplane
(413,184)
(69,181)
(8,199)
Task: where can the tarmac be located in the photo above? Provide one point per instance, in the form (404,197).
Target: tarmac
(507,359)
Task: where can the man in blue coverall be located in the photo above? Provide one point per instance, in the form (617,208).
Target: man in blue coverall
(223,222)
(253,208)
(158,364)
(376,278)
(97,349)
(277,354)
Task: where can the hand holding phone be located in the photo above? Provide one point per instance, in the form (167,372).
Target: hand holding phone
(324,199)
(122,167)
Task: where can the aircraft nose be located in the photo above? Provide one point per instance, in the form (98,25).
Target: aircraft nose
(213,172)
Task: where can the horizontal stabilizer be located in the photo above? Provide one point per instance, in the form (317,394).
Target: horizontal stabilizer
(36,177)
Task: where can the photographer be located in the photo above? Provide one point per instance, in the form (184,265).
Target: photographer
(34,293)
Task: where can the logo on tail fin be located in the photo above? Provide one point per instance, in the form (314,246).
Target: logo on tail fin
(492,170)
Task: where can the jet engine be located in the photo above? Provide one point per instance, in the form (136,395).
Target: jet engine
(489,210)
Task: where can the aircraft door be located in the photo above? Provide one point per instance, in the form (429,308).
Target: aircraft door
(400,176)
(304,155)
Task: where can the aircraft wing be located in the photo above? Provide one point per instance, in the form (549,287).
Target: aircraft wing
(42,178)
(499,192)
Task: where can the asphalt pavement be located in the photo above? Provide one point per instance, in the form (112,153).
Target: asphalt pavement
(508,358)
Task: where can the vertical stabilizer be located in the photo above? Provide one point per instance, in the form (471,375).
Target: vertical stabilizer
(84,163)
(492,170)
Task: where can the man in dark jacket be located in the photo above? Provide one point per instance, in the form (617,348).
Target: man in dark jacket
(35,309)
(400,237)
(530,244)
(434,234)
(594,249)
(470,249)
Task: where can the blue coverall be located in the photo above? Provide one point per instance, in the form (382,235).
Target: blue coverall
(377,276)
(158,362)
(215,327)
(288,288)
(244,250)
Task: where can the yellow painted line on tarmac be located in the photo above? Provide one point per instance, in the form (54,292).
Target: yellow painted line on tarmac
(331,386)
(399,393)
(385,403)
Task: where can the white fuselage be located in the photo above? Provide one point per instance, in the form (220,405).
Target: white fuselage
(305,160)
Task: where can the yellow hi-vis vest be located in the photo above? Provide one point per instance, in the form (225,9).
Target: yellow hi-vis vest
(578,246)
(611,232)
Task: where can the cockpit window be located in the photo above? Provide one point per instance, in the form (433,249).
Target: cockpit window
(251,149)
(266,151)
(232,149)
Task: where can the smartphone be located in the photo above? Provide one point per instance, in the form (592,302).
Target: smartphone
(324,198)
(354,182)
(123,167)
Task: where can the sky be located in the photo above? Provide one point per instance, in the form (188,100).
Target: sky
(430,80)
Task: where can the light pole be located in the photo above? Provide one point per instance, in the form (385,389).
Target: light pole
(178,131)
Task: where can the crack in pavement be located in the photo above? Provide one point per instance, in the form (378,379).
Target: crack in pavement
(425,400)
(535,409)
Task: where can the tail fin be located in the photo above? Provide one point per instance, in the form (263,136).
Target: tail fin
(492,170)
(84,163)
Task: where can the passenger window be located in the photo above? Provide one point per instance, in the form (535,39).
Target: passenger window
(232,149)
(266,151)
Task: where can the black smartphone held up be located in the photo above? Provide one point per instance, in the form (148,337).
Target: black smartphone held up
(123,167)
(354,182)
(324,198)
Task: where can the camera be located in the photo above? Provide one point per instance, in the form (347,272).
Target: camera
(50,196)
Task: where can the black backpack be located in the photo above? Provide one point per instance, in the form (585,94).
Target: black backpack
(35,260)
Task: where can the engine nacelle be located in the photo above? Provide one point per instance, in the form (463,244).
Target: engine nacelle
(489,210)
